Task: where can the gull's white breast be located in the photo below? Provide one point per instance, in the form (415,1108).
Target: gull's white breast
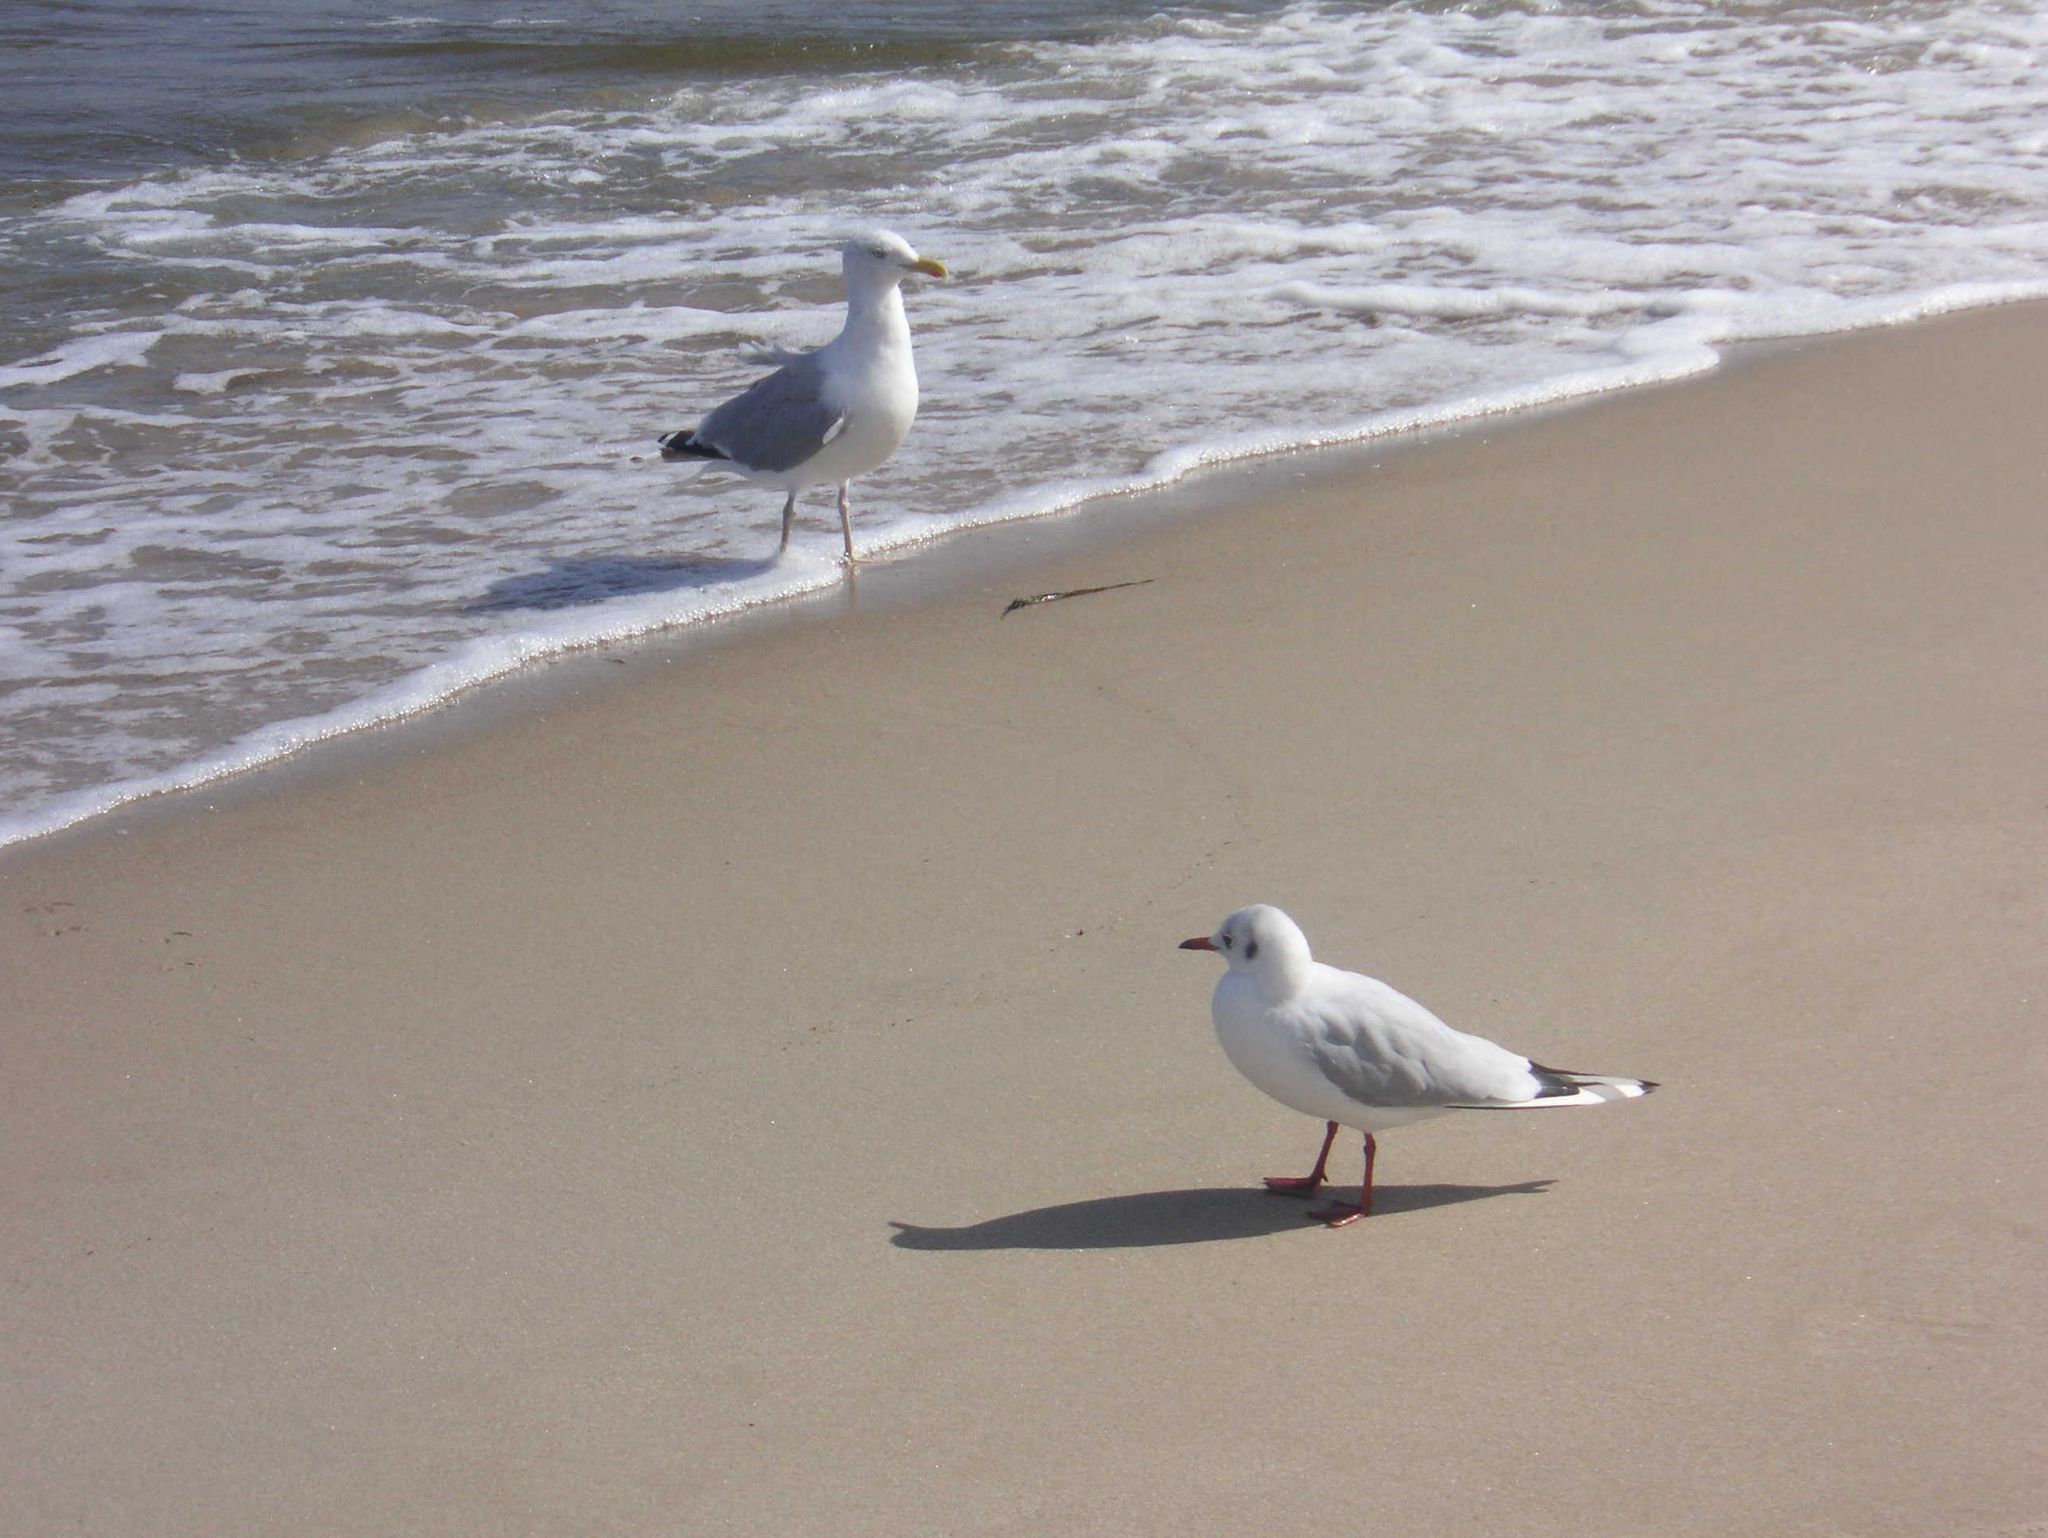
(879,397)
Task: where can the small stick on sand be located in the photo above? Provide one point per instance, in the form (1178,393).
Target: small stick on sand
(1072,592)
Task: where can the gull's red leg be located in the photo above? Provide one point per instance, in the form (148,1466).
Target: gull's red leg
(1302,1185)
(1337,1214)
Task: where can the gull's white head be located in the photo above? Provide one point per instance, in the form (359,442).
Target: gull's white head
(885,257)
(1263,944)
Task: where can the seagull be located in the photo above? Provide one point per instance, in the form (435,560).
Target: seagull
(1359,1054)
(832,414)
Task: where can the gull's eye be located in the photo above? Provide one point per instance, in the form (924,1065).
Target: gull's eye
(1227,942)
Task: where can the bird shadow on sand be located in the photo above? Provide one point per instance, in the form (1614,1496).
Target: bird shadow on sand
(566,584)
(1148,1218)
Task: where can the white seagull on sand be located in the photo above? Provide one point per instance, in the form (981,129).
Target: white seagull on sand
(1359,1054)
(832,414)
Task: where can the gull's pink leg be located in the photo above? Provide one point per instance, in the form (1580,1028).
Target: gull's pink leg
(1301,1185)
(846,521)
(1337,1214)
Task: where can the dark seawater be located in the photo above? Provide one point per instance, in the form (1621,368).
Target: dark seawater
(99,88)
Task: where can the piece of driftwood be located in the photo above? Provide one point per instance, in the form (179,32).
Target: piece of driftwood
(1072,592)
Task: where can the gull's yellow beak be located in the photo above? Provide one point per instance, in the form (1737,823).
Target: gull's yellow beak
(927,266)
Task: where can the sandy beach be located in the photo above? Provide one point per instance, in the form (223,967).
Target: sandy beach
(763,1096)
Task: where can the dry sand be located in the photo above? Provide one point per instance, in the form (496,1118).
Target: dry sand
(764,1097)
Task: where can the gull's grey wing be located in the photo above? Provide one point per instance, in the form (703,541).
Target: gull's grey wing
(776,423)
(1368,1078)
(1385,1049)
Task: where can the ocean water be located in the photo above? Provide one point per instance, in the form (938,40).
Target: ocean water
(334,338)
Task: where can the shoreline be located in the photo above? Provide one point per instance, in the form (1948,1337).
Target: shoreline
(766,1098)
(899,577)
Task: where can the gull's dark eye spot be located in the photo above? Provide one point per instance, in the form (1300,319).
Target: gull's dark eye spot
(1251,950)
(1228,942)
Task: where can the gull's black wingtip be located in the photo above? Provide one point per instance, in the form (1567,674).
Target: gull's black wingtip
(682,444)
(1562,1083)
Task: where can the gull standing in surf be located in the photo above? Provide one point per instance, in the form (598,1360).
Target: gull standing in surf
(829,415)
(1359,1054)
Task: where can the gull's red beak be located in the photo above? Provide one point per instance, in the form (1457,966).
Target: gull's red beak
(1199,943)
